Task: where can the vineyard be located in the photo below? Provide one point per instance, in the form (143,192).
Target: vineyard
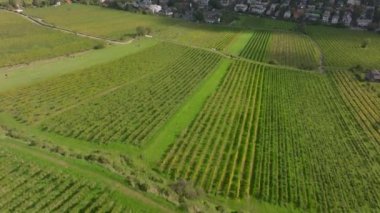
(344,50)
(126,105)
(27,187)
(198,118)
(37,102)
(262,134)
(293,50)
(256,48)
(282,48)
(24,42)
(132,113)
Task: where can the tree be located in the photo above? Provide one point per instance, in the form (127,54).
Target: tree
(140,31)
(215,4)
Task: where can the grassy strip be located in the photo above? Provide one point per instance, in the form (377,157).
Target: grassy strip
(237,45)
(42,70)
(160,142)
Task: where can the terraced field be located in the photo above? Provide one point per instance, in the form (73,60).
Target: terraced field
(27,187)
(343,49)
(24,42)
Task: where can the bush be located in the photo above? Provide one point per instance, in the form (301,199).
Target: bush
(99,46)
(365,43)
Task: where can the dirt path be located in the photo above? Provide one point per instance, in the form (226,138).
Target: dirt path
(42,23)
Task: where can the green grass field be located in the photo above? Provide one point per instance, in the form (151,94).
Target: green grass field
(24,42)
(198,118)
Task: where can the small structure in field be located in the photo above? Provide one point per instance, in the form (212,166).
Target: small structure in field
(373,76)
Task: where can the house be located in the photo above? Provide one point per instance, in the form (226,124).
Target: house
(154,8)
(326,16)
(373,76)
(203,3)
(347,19)
(212,17)
(335,19)
(241,7)
(259,8)
(287,14)
(225,3)
(312,16)
(363,22)
(353,2)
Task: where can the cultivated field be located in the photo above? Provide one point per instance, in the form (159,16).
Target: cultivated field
(262,133)
(283,48)
(344,49)
(27,186)
(150,84)
(197,118)
(24,42)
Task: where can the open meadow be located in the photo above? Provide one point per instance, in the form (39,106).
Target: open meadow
(254,117)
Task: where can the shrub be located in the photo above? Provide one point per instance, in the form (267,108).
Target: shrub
(99,46)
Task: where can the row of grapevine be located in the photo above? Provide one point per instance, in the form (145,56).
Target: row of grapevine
(256,48)
(365,105)
(293,50)
(311,151)
(131,113)
(216,151)
(342,48)
(25,187)
(285,137)
(37,102)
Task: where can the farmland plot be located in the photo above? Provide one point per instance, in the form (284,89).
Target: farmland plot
(282,48)
(256,48)
(24,42)
(293,50)
(35,103)
(311,151)
(199,35)
(26,187)
(132,113)
(99,21)
(282,136)
(343,48)
(216,150)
